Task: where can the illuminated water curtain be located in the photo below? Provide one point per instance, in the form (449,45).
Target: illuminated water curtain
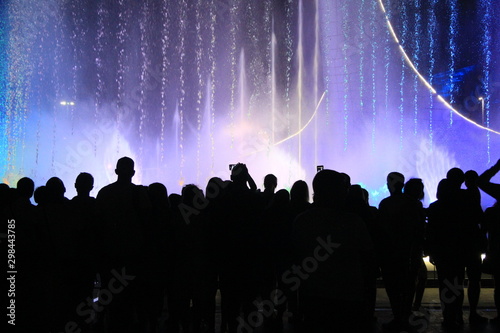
(188,87)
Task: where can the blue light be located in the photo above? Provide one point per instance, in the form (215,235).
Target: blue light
(362,32)
(486,45)
(432,62)
(402,82)
(452,46)
(374,46)
(416,60)
(345,29)
(326,14)
(446,82)
(4,29)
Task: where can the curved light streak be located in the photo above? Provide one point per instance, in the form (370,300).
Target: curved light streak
(422,78)
(307,124)
(300,130)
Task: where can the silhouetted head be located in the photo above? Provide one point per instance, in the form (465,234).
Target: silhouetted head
(239,174)
(414,188)
(215,187)
(270,183)
(158,194)
(299,192)
(84,183)
(445,190)
(330,188)
(192,196)
(347,178)
(125,168)
(25,187)
(356,194)
(395,182)
(175,200)
(456,176)
(280,199)
(55,189)
(4,193)
(40,195)
(470,178)
(157,190)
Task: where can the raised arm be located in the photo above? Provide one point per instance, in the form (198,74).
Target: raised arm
(251,182)
(485,184)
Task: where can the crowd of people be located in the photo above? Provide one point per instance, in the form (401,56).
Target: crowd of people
(135,255)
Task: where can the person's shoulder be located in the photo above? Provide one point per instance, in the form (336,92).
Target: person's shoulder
(436,206)
(386,201)
(107,187)
(106,190)
(78,199)
(142,189)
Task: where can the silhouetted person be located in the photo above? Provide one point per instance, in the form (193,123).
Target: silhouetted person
(357,203)
(276,253)
(83,203)
(270,184)
(470,181)
(492,222)
(29,295)
(124,209)
(333,255)
(40,195)
(84,211)
(456,177)
(375,229)
(157,256)
(446,240)
(4,190)
(175,200)
(55,191)
(216,195)
(24,210)
(347,178)
(469,203)
(188,261)
(25,188)
(299,198)
(238,276)
(299,203)
(241,178)
(414,188)
(64,256)
(402,221)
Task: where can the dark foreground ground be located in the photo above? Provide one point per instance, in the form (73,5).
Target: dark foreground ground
(429,318)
